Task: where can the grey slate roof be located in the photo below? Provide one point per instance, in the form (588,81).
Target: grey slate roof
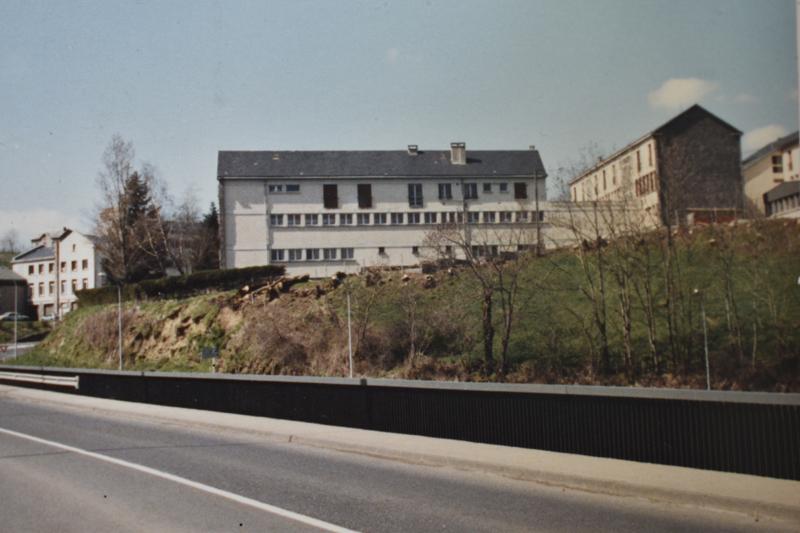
(8,275)
(37,253)
(300,164)
(778,144)
(782,190)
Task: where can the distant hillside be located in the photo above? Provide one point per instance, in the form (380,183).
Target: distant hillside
(646,329)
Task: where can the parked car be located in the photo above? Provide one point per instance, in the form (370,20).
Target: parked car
(49,318)
(11,316)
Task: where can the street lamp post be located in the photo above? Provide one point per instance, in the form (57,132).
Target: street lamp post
(349,334)
(699,293)
(119,322)
(16,297)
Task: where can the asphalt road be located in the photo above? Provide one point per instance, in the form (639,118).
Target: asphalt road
(7,349)
(113,472)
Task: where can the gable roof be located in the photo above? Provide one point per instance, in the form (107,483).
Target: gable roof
(778,144)
(37,253)
(354,164)
(696,110)
(9,275)
(782,190)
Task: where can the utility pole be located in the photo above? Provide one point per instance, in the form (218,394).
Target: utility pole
(119,322)
(349,335)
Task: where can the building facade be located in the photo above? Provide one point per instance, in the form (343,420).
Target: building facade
(767,168)
(58,265)
(684,170)
(319,213)
(13,292)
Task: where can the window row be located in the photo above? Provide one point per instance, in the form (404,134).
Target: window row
(646,184)
(32,269)
(330,193)
(381,219)
(51,286)
(291,255)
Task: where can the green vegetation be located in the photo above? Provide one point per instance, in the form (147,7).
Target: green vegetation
(25,330)
(5,259)
(629,312)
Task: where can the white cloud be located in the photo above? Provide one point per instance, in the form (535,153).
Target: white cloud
(677,93)
(755,139)
(392,54)
(30,223)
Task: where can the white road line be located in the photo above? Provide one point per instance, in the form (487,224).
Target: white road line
(188,482)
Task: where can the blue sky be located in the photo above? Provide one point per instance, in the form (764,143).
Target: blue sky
(183,80)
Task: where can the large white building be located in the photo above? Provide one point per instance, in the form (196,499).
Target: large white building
(58,265)
(322,212)
(772,177)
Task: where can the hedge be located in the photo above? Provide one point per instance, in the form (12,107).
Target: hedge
(180,286)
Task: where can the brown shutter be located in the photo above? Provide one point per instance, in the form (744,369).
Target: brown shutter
(520,190)
(364,195)
(330,196)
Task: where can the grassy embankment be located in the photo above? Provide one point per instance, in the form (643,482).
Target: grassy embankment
(746,275)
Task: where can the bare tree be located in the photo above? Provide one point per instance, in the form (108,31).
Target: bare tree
(10,241)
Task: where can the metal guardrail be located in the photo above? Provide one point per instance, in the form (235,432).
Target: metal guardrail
(746,432)
(59,381)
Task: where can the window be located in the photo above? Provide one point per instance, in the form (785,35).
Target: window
(85,283)
(51,287)
(415,250)
(312,254)
(276,220)
(448,251)
(539,215)
(364,195)
(413,218)
(397,218)
(380,218)
(522,216)
(328,219)
(777,164)
(293,220)
(73,247)
(478,251)
(449,217)
(415,195)
(30,270)
(41,289)
(347,253)
(312,220)
(276,255)
(330,196)
(295,254)
(275,188)
(473,217)
(292,187)
(430,218)
(489,217)
(74,285)
(445,191)
(604,180)
(41,268)
(487,187)
(362,219)
(329,253)
(381,250)
(73,265)
(346,219)
(63,286)
(574,194)
(63,267)
(30,290)
(505,216)
(283,187)
(613,175)
(50,267)
(84,264)
(470,191)
(503,187)
(638,161)
(650,154)
(520,190)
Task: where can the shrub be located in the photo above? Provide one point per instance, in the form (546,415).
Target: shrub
(181,286)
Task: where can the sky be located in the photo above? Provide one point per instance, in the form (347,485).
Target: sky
(183,80)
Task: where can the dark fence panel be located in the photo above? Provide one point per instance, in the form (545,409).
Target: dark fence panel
(733,432)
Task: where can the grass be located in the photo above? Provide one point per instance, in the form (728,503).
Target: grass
(25,330)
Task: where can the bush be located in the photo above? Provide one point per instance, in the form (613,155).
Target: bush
(181,286)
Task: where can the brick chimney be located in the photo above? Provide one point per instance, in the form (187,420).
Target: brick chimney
(458,153)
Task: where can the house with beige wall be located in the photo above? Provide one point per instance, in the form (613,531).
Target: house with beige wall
(767,168)
(55,268)
(687,169)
